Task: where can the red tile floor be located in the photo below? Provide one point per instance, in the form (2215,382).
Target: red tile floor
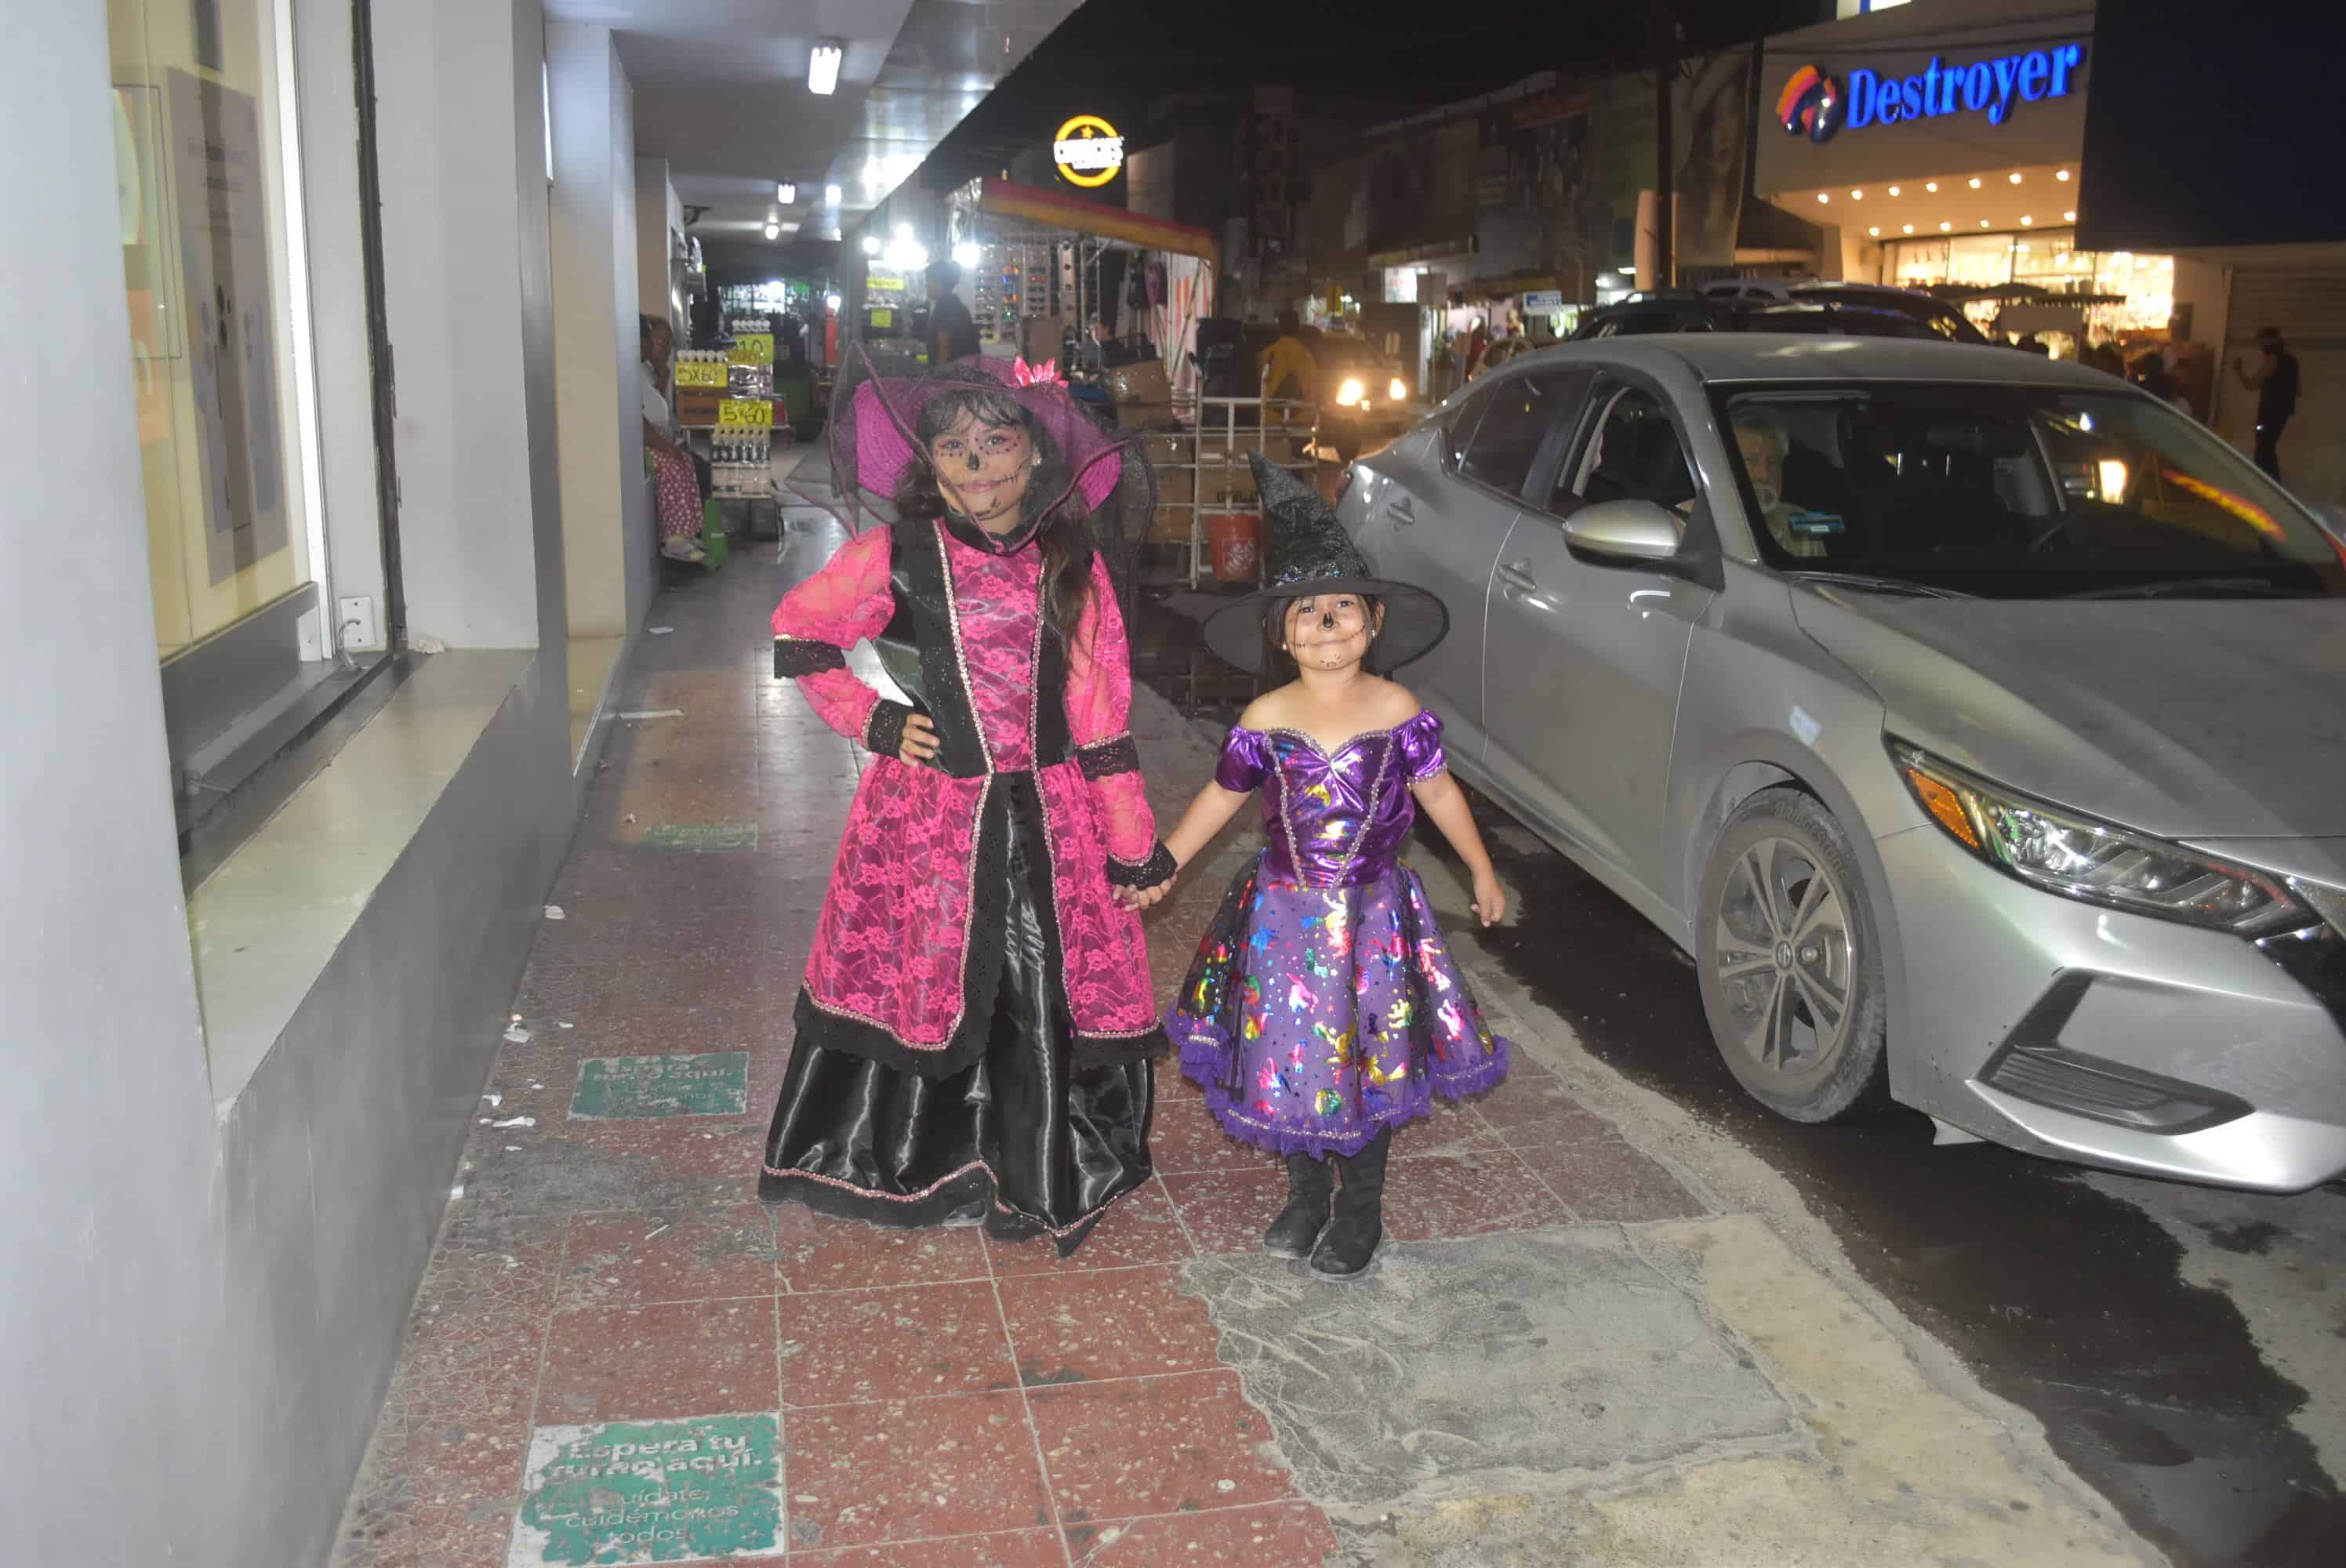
(606,1274)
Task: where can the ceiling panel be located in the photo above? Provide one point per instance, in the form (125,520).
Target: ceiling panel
(720,92)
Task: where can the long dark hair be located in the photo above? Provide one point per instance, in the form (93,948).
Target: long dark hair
(1064,536)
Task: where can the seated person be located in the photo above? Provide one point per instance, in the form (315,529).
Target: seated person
(1763,441)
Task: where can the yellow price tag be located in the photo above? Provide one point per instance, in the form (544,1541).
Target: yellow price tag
(752,348)
(754,413)
(883,317)
(701,373)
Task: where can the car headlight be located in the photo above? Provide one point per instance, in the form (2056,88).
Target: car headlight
(2062,852)
(1397,389)
(1350,392)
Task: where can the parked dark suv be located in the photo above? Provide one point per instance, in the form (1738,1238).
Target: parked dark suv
(1688,312)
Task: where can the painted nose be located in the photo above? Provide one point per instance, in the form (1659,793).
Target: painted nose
(973,462)
(1328,621)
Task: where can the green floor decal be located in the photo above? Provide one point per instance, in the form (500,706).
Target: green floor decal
(634,1088)
(702,838)
(651,1491)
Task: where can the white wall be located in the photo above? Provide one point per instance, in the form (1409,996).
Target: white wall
(656,211)
(111,1276)
(198,1312)
(463,271)
(606,523)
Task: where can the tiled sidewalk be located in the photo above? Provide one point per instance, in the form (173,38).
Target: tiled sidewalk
(619,1354)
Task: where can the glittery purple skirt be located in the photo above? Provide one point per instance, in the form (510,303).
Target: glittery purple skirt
(1315,1018)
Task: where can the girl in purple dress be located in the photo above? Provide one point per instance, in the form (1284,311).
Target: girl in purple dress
(1324,1009)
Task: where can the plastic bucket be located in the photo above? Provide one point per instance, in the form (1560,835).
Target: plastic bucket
(1231,544)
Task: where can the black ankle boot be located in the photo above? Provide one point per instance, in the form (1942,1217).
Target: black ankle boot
(1298,1225)
(1352,1237)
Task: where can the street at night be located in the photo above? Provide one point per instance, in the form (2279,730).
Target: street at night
(1231,784)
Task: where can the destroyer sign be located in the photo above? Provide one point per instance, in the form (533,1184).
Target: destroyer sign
(1088,150)
(1814,105)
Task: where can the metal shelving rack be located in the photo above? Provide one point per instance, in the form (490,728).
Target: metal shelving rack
(1219,448)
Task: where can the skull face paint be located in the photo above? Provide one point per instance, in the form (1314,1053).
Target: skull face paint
(983,469)
(1329,631)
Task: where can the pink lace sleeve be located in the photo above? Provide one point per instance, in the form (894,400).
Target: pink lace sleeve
(1099,710)
(822,617)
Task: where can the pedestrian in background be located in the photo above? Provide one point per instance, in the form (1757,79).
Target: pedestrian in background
(2275,383)
(953,333)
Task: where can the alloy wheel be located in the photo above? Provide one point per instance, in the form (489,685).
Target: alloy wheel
(1785,961)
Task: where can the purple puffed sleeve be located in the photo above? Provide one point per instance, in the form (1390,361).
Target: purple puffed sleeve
(1245,761)
(1421,756)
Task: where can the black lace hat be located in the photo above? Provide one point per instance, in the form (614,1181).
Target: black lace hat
(1310,553)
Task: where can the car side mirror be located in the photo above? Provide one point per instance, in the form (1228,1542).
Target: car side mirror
(1625,532)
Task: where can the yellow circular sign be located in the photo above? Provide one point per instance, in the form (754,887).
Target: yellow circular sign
(1088,151)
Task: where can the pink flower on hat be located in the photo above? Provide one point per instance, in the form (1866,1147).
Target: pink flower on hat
(1045,374)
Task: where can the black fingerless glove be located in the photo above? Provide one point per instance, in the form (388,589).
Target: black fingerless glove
(1147,873)
(883,732)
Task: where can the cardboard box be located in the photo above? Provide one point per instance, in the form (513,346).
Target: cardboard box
(1143,394)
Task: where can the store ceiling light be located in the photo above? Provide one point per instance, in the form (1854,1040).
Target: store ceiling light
(1932,186)
(786,193)
(904,232)
(1975,182)
(1856,195)
(822,68)
(2025,220)
(773,231)
(1982,223)
(872,244)
(831,196)
(2060,174)
(1876,233)
(1893,190)
(1907,228)
(2014,177)
(1946,229)
(1824,196)
(2069,217)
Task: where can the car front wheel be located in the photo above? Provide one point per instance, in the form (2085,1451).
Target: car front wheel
(1791,967)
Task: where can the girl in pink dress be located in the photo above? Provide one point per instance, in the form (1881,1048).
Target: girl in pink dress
(975,1034)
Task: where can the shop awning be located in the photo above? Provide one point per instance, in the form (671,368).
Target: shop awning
(1051,209)
(1439,248)
(2017,294)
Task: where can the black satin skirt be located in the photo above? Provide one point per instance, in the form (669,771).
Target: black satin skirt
(1039,1146)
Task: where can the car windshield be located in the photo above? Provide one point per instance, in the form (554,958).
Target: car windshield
(2015,492)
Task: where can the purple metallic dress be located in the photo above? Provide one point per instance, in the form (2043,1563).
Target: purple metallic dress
(1323,1007)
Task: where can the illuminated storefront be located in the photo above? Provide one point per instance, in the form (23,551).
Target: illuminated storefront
(1952,158)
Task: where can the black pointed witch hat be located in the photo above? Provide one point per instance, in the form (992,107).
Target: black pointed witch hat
(1310,553)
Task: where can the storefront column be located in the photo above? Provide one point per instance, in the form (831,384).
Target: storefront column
(111,1273)
(606,528)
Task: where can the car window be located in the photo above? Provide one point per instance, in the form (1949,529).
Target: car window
(2015,492)
(1634,455)
(1506,440)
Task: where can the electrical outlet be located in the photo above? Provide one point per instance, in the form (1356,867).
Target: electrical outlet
(355,624)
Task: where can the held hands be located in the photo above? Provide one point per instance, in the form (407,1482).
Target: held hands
(1138,899)
(1490,899)
(920,742)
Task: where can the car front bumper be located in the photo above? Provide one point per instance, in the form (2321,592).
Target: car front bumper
(2089,1035)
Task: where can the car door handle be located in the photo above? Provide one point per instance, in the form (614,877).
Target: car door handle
(1403,515)
(1518,574)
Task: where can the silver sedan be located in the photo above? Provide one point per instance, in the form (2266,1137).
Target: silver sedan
(1977,723)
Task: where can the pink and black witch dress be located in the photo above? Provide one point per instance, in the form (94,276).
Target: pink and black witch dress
(1323,1008)
(976,1026)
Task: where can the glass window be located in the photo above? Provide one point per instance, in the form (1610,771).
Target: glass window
(1518,414)
(2017,493)
(200,116)
(1634,456)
